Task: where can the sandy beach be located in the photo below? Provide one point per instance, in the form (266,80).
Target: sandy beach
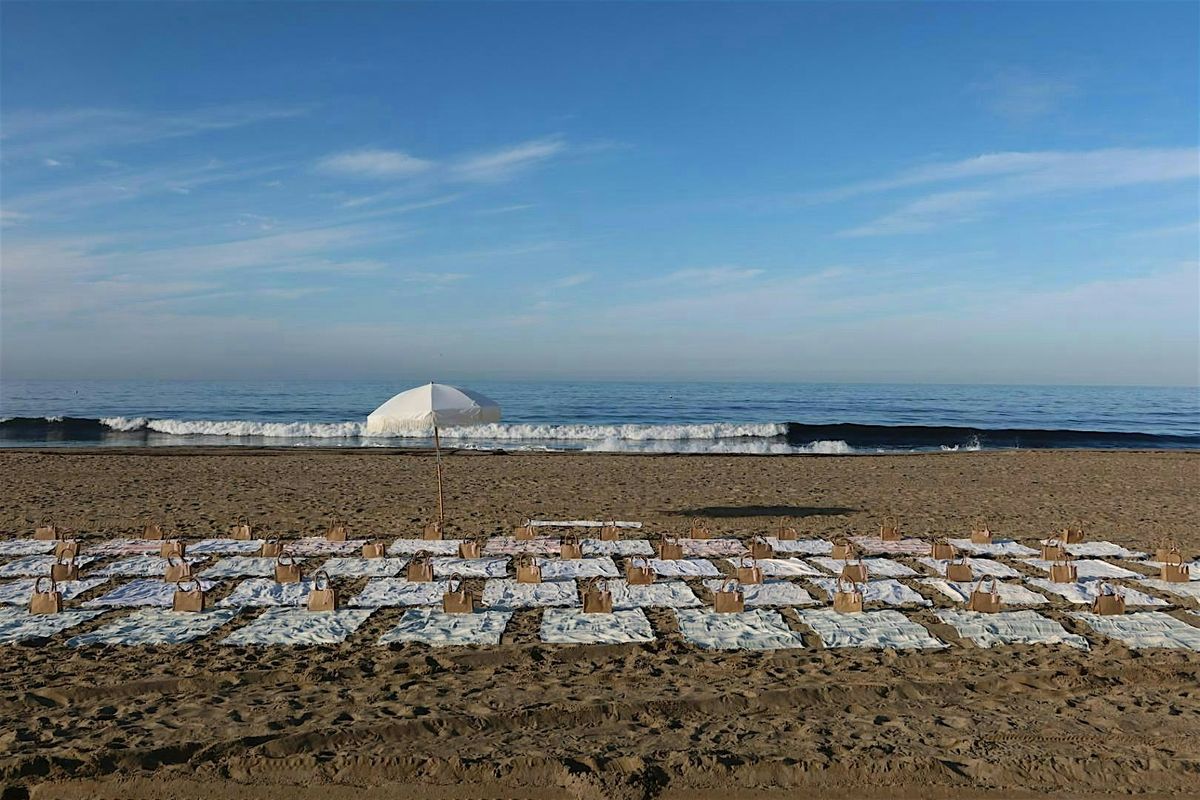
(660,720)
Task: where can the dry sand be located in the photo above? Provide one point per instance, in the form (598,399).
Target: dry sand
(665,720)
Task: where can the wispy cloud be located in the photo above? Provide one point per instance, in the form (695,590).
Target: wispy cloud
(506,162)
(374,164)
(1020,94)
(928,212)
(708,276)
(568,281)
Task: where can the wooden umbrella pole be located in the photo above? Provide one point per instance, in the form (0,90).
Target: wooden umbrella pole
(437,447)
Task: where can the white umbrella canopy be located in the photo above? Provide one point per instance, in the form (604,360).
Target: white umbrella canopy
(434,405)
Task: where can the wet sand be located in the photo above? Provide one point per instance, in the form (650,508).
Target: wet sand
(662,720)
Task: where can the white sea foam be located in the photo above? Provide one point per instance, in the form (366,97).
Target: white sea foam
(731,446)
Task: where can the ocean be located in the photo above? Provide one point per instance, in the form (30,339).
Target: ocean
(619,416)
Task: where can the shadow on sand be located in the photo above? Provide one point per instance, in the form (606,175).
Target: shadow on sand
(761,511)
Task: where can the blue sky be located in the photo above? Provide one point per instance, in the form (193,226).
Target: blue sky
(898,192)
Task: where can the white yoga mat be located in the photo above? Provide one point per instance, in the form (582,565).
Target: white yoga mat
(998,547)
(557,570)
(506,593)
(769,593)
(581,523)
(908,547)
(33,566)
(142,592)
(438,629)
(447,567)
(1011,594)
(621,547)
(979,566)
(778,567)
(400,592)
(243,567)
(1087,568)
(156,626)
(437,547)
(684,568)
(18,625)
(711,548)
(320,546)
(122,547)
(508,546)
(876,567)
(572,626)
(18,592)
(245,547)
(1098,550)
(809,547)
(26,547)
(1191,589)
(872,629)
(1086,591)
(266,592)
(364,567)
(141,566)
(1010,627)
(754,629)
(1145,629)
(887,590)
(293,626)
(660,594)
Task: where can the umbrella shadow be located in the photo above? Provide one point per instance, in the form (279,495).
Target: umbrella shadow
(762,511)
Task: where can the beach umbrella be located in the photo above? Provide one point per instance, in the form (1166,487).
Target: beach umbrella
(434,405)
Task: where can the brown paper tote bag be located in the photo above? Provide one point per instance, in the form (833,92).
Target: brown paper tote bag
(855,572)
(177,570)
(434,532)
(189,596)
(286,568)
(699,530)
(1063,571)
(528,570)
(960,571)
(1053,550)
(171,548)
(323,596)
(985,601)
(786,533)
(638,572)
(847,597)
(152,531)
(843,550)
(270,548)
(942,551)
(45,601)
(1072,534)
(64,569)
(597,599)
(420,568)
(748,571)
(337,531)
(66,548)
(889,530)
(470,548)
(457,600)
(729,599)
(241,529)
(47,532)
(761,548)
(569,548)
(609,532)
(1173,570)
(374,550)
(669,548)
(1109,602)
(1165,549)
(523,532)
(981,534)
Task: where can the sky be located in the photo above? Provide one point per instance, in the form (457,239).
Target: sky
(966,193)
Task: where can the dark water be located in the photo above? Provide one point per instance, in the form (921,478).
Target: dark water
(654,417)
